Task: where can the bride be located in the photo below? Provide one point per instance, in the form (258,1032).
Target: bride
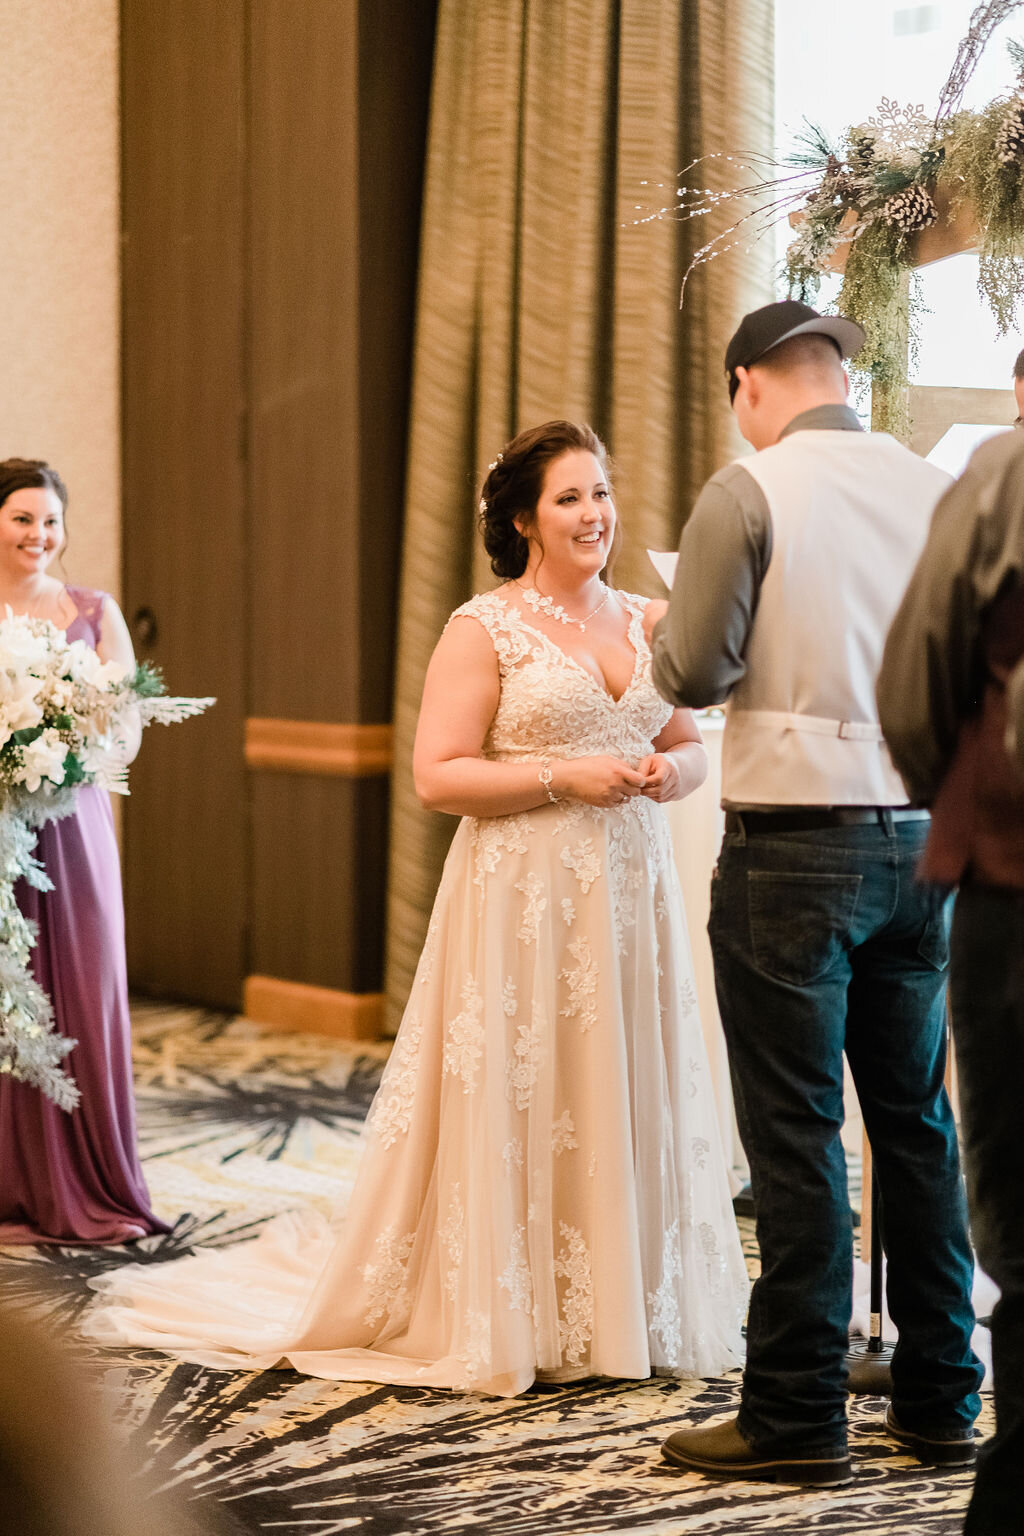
(542,1192)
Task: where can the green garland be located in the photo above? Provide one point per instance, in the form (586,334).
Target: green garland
(877,191)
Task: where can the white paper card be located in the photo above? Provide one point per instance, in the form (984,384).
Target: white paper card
(664,562)
(956,445)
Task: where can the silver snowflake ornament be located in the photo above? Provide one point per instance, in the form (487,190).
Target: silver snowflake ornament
(897,128)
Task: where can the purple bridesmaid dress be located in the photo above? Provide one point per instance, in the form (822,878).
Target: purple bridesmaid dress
(76,1178)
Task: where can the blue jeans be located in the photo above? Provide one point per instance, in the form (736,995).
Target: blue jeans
(987,984)
(824,942)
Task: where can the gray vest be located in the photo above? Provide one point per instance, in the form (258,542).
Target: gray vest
(849,512)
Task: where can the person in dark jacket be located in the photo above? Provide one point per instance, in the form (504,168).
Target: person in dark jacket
(957,639)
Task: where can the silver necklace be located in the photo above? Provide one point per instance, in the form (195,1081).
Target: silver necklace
(552,610)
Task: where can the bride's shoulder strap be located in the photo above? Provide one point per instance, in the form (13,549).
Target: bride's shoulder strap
(489,609)
(633,601)
(500,620)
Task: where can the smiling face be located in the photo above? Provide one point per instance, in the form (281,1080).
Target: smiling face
(574,524)
(31,531)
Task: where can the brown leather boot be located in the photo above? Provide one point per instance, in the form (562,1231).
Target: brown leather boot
(722,1450)
(956,1450)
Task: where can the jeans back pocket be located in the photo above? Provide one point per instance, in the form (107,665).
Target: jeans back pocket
(799,922)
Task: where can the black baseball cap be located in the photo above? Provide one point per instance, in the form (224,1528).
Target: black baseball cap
(765,328)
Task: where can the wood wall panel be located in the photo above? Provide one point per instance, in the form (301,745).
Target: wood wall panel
(318,880)
(304,469)
(273,165)
(184,532)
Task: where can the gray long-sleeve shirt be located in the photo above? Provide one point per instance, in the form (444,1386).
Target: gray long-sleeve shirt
(698,647)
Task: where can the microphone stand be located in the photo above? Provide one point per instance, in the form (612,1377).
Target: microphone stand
(869,1362)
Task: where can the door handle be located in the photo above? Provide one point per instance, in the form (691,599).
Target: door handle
(144,628)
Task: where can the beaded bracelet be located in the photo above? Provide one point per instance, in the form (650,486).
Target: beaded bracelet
(544,774)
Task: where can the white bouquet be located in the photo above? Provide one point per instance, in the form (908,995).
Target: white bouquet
(65,717)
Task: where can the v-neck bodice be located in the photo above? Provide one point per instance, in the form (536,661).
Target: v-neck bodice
(552,705)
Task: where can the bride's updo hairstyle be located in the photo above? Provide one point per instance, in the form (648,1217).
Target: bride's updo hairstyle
(514,483)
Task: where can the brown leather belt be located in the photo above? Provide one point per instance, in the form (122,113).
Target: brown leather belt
(815,818)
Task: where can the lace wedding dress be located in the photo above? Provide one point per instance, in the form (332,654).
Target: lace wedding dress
(543,1189)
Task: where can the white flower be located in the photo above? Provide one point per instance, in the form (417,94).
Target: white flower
(43,759)
(19,706)
(85,666)
(26,644)
(59,693)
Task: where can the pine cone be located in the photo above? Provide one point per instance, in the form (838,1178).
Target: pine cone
(910,210)
(834,186)
(1009,145)
(862,149)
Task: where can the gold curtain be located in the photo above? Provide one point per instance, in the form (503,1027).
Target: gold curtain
(540,295)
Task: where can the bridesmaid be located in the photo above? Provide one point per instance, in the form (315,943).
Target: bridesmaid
(71,1178)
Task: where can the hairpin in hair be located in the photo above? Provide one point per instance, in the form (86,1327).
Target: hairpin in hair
(494,463)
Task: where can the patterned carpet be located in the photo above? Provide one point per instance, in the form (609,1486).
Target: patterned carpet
(237,1124)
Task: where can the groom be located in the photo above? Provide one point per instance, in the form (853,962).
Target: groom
(790,569)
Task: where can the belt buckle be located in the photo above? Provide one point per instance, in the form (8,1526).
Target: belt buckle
(844,732)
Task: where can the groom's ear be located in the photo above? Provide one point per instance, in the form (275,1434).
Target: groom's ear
(748,382)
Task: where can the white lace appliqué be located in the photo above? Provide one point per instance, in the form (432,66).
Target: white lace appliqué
(581,979)
(494,836)
(453,1237)
(464,1037)
(627,875)
(584,861)
(391,1113)
(532,887)
(568,911)
(527,1053)
(571,813)
(576,1323)
(509,1002)
(663,1305)
(714,1259)
(428,956)
(515,1277)
(385,1276)
(563,1134)
(512,1154)
(693,1069)
(475,1355)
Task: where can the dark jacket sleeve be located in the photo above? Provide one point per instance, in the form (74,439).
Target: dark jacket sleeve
(932,668)
(698,647)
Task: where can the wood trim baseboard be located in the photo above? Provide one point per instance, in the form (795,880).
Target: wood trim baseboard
(318,747)
(295,1005)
